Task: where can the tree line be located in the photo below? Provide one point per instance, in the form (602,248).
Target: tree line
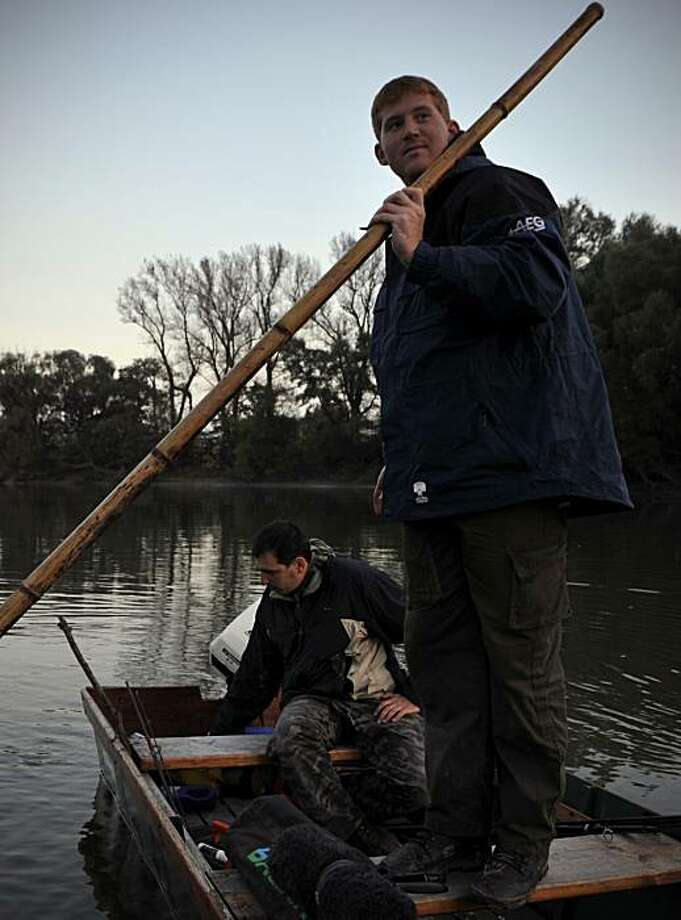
(312,412)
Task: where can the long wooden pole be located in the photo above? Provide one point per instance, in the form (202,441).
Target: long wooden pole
(69,550)
(112,713)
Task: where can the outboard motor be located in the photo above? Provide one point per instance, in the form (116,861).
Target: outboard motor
(226,649)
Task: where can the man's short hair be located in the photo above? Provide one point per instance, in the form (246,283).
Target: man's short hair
(284,539)
(400,86)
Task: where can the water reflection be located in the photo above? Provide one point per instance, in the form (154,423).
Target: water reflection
(122,886)
(624,686)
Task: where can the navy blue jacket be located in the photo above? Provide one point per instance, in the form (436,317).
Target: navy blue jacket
(491,389)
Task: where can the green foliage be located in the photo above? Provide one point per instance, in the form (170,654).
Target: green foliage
(584,232)
(340,451)
(632,293)
(336,380)
(266,449)
(23,393)
(62,413)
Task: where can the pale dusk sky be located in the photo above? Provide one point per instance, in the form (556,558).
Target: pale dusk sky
(160,127)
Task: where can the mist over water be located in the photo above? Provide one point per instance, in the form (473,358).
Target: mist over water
(163,580)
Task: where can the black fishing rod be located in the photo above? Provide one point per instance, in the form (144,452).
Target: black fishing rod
(638,824)
(155,751)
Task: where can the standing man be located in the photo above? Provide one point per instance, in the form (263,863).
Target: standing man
(323,634)
(496,426)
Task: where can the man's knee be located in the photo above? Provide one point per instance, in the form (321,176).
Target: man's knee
(288,741)
(296,736)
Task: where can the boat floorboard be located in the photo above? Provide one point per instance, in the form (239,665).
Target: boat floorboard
(579,866)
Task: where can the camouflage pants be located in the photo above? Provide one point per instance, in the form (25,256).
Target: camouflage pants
(486,597)
(306,731)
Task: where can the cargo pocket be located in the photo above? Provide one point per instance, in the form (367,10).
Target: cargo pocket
(539,591)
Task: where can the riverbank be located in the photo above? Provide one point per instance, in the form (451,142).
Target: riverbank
(642,493)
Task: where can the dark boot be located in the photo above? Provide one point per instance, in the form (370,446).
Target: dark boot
(373,840)
(508,879)
(429,853)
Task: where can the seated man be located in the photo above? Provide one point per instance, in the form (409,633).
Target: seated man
(323,634)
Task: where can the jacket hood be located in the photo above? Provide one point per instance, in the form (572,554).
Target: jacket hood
(322,554)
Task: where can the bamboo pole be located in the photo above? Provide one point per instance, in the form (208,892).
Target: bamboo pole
(69,550)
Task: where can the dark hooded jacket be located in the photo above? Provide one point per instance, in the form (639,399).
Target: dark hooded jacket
(332,638)
(491,389)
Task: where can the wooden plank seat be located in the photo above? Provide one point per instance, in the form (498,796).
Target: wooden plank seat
(205,751)
(579,866)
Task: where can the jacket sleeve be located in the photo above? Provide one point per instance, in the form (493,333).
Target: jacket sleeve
(384,599)
(253,686)
(510,268)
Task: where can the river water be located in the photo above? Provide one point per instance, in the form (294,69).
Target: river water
(145,601)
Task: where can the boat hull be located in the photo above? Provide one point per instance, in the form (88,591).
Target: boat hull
(174,861)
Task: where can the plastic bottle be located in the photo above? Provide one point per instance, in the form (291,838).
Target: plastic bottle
(213,853)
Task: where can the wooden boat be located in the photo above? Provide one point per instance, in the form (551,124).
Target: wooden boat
(623,875)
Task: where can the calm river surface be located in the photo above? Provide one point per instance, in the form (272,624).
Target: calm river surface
(165,578)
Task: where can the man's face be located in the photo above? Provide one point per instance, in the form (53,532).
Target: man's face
(413,133)
(284,578)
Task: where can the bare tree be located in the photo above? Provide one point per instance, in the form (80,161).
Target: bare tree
(161,301)
(279,279)
(345,329)
(224,303)
(268,267)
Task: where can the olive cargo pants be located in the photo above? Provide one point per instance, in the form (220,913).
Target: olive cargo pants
(486,594)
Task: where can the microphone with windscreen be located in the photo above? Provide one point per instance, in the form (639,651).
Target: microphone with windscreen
(332,880)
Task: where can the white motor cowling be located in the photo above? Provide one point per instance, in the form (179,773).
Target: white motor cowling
(228,646)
